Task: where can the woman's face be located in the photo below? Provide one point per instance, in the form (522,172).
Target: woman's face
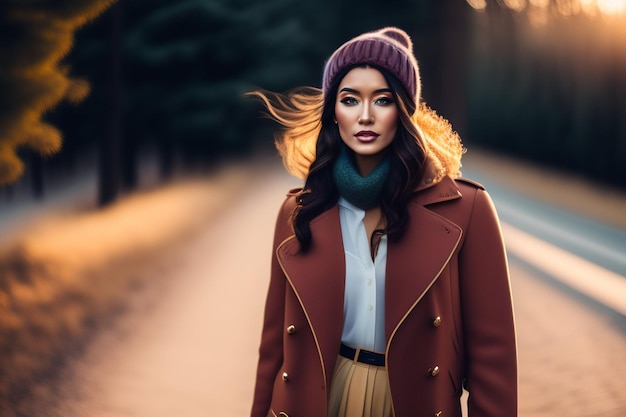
(367,115)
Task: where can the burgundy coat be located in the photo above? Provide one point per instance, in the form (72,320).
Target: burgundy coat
(448,312)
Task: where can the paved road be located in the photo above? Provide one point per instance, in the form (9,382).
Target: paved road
(572,356)
(191,349)
(587,238)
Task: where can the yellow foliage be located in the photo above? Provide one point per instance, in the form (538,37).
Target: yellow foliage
(72,16)
(77,90)
(11,168)
(32,78)
(44,138)
(45,89)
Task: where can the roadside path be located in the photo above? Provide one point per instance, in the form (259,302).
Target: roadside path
(192,351)
(189,346)
(577,195)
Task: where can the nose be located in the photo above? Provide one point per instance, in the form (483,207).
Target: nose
(366,117)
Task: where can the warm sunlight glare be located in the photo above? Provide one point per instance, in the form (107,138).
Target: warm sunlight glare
(517,5)
(612,7)
(539,9)
(478,4)
(540,3)
(538,16)
(568,8)
(589,7)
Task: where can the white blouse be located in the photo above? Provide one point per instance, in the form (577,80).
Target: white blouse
(364,300)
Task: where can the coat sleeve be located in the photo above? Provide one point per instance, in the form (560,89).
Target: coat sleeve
(487,312)
(271,347)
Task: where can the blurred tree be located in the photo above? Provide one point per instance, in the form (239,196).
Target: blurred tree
(187,63)
(110,155)
(451,37)
(35,36)
(185,85)
(548,82)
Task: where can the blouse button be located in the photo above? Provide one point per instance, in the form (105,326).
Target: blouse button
(434,371)
(291,329)
(437,321)
(285,376)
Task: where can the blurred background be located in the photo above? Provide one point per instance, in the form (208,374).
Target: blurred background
(541,80)
(126,121)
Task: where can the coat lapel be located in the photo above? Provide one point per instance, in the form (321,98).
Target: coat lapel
(416,261)
(413,265)
(318,279)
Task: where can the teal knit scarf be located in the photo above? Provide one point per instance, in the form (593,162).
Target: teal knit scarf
(363,192)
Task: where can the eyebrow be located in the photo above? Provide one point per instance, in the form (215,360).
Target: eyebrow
(353,91)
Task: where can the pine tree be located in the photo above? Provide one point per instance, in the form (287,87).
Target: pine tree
(34,38)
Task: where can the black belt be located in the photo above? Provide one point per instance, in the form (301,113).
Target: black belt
(365,356)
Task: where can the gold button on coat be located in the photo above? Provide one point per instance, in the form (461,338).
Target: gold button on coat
(433,371)
(437,321)
(438,413)
(283,414)
(291,329)
(285,376)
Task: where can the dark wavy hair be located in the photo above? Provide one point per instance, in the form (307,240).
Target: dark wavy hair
(309,144)
(407,166)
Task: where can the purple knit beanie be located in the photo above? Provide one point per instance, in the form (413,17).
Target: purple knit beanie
(388,48)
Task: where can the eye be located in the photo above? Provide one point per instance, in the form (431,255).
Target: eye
(349,101)
(383,101)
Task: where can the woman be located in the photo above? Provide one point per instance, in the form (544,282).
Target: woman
(389,288)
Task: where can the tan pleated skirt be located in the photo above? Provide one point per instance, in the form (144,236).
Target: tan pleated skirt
(359,390)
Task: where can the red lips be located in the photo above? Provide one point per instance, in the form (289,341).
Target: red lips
(366,135)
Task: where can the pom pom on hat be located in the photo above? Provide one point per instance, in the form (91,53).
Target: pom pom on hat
(388,48)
